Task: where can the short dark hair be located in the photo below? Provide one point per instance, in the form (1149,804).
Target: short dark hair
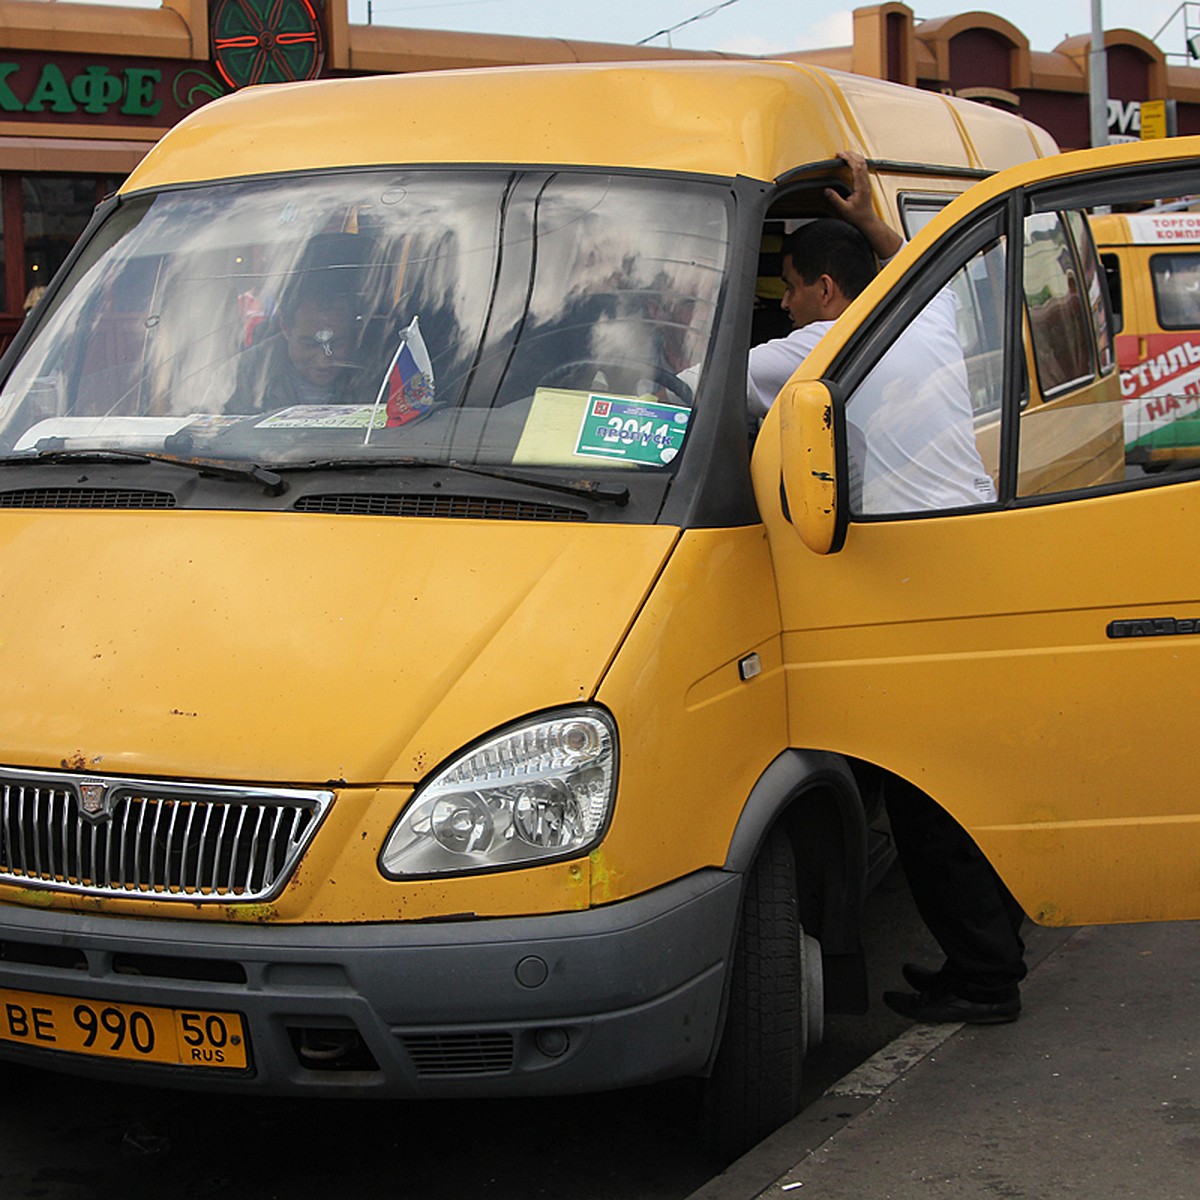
(329,271)
(831,247)
(322,289)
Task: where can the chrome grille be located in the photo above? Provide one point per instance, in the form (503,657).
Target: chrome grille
(164,841)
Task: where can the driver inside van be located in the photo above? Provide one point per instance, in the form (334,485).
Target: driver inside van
(311,360)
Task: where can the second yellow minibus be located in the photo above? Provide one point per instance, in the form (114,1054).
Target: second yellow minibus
(1152,262)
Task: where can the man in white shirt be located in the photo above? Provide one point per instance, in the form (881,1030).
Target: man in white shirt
(838,259)
(909,423)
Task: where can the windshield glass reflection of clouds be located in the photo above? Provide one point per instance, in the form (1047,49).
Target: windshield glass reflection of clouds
(359,314)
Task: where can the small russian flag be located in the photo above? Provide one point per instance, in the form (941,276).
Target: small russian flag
(408,385)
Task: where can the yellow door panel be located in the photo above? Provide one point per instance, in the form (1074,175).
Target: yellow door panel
(1031,658)
(972,656)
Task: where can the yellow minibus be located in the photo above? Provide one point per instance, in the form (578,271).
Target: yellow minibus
(423,677)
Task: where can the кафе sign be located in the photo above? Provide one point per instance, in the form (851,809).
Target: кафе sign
(90,89)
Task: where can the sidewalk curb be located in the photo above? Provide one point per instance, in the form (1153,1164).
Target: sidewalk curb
(844,1101)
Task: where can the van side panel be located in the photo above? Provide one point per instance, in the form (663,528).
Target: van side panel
(695,734)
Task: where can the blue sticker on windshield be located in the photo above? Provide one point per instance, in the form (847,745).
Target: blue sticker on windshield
(640,430)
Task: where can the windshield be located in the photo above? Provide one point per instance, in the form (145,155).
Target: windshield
(550,319)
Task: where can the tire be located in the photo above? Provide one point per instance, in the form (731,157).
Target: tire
(755,1084)
(812,992)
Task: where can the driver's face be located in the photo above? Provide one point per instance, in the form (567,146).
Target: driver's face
(320,340)
(803,302)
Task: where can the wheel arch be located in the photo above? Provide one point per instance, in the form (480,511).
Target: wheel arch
(816,795)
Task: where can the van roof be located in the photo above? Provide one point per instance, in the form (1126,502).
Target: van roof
(752,118)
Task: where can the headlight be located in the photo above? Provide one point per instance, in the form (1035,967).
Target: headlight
(538,790)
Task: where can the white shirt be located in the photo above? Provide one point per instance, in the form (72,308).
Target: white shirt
(772,364)
(909,423)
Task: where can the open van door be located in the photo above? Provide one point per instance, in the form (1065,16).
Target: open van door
(978,593)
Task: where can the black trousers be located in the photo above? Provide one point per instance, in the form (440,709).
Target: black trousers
(967,907)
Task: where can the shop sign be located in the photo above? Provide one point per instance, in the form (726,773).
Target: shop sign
(1124,121)
(1159,119)
(81,89)
(95,89)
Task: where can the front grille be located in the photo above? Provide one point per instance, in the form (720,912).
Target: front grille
(85,498)
(156,840)
(481,508)
(460,1053)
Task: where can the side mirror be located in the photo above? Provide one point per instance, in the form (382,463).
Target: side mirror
(809,433)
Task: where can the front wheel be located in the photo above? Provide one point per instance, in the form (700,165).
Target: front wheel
(774,1010)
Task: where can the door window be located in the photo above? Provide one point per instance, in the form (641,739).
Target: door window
(922,426)
(1070,429)
(1058,317)
(993,381)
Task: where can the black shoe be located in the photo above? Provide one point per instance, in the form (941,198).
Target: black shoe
(932,1009)
(923,979)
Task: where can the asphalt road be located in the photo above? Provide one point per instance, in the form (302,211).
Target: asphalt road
(63,1138)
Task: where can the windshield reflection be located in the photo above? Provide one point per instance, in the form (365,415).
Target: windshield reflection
(285,321)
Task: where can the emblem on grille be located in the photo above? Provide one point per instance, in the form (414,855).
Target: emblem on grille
(91,796)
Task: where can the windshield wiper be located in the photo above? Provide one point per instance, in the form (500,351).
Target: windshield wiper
(591,489)
(271,483)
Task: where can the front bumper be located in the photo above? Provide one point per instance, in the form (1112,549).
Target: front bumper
(575,1002)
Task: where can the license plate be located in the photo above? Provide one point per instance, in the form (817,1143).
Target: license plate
(139,1033)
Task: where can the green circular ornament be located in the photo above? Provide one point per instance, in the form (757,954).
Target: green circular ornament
(267,41)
